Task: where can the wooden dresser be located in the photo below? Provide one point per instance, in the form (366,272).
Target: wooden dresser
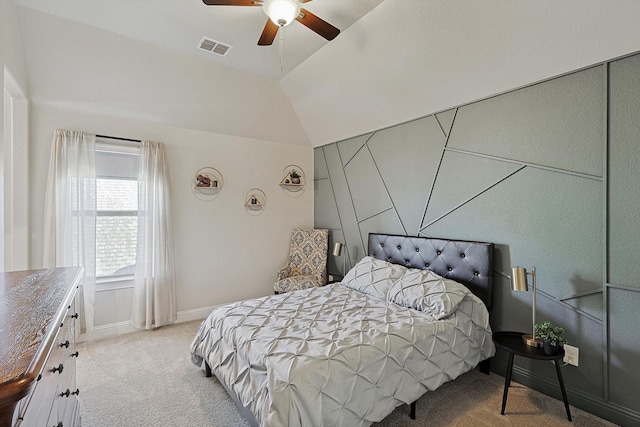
(37,348)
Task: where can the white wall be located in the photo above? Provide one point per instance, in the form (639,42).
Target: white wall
(11,53)
(408,59)
(13,142)
(223,254)
(15,176)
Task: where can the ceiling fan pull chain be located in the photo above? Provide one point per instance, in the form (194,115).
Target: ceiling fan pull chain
(282,49)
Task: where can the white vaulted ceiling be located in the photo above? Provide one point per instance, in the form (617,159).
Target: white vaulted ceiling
(178,25)
(395,60)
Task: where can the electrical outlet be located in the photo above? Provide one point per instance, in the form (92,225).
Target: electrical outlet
(571,355)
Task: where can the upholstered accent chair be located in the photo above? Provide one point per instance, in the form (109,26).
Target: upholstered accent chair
(307,265)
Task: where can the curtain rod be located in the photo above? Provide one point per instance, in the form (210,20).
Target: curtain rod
(118,138)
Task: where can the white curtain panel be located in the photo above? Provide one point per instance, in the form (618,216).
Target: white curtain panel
(154,302)
(70,213)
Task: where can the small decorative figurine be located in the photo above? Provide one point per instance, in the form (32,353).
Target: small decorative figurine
(204,181)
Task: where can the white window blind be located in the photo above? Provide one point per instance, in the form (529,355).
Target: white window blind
(117,209)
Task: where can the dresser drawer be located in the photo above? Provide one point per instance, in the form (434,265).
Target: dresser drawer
(66,344)
(66,399)
(40,402)
(65,402)
(55,392)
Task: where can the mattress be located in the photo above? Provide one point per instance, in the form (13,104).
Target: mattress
(333,356)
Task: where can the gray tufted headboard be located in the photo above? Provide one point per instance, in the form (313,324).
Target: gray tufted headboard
(469,263)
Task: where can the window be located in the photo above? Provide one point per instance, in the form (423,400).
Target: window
(117,211)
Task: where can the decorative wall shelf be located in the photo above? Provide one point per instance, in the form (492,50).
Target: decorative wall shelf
(293,180)
(207,183)
(255,201)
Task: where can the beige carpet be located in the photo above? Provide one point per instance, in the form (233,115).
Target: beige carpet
(147,379)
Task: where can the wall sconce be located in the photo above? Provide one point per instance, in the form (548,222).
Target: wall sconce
(519,283)
(337,251)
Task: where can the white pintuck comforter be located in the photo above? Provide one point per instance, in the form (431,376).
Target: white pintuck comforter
(333,356)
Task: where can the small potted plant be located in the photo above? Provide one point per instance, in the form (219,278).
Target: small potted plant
(295,176)
(552,337)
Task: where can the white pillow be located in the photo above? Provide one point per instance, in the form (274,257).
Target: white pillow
(372,276)
(429,292)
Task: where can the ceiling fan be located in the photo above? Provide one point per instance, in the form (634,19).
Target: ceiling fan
(282,13)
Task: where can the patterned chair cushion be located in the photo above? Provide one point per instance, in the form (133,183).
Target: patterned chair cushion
(294,283)
(307,259)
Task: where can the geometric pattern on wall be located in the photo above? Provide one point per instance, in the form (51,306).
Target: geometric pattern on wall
(471,198)
(387,220)
(355,248)
(526,170)
(366,187)
(590,304)
(349,147)
(461,178)
(324,207)
(445,119)
(558,123)
(320,170)
(408,179)
(529,211)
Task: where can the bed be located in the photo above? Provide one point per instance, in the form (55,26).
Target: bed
(348,354)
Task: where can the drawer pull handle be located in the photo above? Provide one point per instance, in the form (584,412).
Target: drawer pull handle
(65,344)
(75,354)
(59,424)
(58,369)
(74,316)
(66,393)
(77,392)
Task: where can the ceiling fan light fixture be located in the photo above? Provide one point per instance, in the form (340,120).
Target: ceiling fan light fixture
(281,12)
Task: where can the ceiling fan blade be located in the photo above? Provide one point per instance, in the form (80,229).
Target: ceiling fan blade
(231,3)
(318,25)
(268,34)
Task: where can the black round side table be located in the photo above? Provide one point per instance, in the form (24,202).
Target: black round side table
(513,344)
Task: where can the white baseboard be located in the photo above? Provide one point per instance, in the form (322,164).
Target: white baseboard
(111,330)
(195,314)
(120,328)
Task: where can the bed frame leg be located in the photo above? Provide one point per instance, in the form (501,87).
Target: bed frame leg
(485,366)
(207,369)
(412,415)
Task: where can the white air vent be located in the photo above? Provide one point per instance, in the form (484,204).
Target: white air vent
(213,46)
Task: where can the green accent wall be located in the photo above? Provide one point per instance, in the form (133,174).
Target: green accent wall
(550,174)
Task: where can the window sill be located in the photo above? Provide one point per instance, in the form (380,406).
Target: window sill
(113,283)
